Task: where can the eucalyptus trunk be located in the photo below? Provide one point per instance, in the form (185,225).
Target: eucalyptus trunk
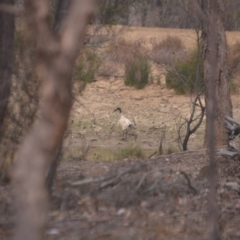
(215,68)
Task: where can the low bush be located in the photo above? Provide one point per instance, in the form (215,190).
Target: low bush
(137,72)
(186,76)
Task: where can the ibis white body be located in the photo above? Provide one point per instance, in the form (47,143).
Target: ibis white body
(125,123)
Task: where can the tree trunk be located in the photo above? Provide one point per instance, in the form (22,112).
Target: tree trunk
(7,27)
(215,57)
(56,58)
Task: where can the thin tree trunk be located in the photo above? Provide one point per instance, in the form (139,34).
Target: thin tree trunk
(56,57)
(217,101)
(7,27)
(215,49)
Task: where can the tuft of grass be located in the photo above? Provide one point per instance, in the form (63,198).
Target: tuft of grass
(186,76)
(130,151)
(137,72)
(167,51)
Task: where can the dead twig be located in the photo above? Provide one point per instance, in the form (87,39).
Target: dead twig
(152,154)
(189,183)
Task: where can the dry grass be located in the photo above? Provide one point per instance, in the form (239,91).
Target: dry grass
(122,50)
(167,51)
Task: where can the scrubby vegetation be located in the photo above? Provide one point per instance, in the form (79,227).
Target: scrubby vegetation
(86,68)
(186,75)
(137,72)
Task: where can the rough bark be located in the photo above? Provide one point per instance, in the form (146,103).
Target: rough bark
(7,27)
(218,102)
(56,57)
(215,56)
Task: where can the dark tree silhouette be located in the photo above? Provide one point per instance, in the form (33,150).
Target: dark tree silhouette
(7,27)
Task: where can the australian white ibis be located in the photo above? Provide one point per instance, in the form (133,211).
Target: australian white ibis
(125,123)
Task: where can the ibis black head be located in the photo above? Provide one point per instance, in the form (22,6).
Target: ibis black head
(118,109)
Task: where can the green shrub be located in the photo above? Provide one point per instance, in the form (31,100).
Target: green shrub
(137,72)
(186,76)
(86,68)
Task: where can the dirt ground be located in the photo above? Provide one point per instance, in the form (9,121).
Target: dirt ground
(97,196)
(160,198)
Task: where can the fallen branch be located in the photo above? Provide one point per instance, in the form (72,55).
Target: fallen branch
(106,180)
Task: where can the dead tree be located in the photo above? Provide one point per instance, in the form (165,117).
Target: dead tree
(196,120)
(56,57)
